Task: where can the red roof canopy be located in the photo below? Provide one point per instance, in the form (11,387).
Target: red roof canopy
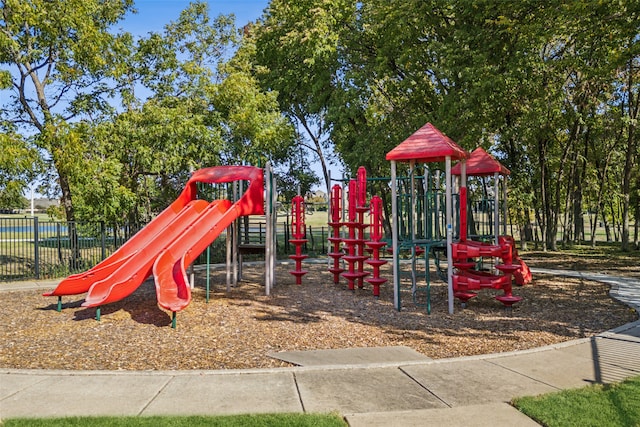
(481,163)
(426,145)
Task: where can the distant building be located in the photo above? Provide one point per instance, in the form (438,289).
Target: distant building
(39,205)
(44,204)
(317,196)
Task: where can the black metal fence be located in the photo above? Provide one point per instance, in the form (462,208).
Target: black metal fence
(33,249)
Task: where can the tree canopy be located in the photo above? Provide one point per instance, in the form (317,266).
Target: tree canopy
(551,88)
(122,121)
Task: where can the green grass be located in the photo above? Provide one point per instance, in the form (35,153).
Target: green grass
(263,420)
(598,405)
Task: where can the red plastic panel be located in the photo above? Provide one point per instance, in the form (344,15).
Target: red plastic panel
(481,163)
(426,145)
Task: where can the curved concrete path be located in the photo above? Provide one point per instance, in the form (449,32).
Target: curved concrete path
(408,392)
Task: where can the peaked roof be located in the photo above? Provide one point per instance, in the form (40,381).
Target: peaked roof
(481,163)
(427,144)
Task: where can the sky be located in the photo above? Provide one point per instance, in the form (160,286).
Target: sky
(153,15)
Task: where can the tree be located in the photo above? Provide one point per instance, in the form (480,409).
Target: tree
(19,164)
(297,51)
(122,122)
(254,128)
(540,85)
(199,111)
(60,56)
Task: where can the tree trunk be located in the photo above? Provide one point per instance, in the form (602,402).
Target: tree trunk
(545,209)
(602,170)
(614,223)
(630,159)
(67,204)
(636,227)
(526,231)
(636,203)
(578,233)
(317,147)
(607,227)
(569,208)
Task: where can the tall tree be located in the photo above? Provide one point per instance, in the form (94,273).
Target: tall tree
(254,128)
(297,48)
(199,109)
(60,54)
(122,121)
(532,82)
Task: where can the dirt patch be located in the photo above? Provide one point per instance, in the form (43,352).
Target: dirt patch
(238,329)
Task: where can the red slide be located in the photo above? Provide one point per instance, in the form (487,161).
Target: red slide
(169,270)
(178,235)
(80,283)
(135,270)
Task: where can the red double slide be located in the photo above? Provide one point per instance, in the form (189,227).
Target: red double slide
(169,243)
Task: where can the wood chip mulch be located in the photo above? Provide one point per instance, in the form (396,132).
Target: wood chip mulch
(238,329)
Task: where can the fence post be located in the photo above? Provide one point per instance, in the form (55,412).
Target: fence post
(261,237)
(286,236)
(104,240)
(59,243)
(36,247)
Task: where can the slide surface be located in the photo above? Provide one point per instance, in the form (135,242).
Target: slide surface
(135,270)
(81,282)
(172,286)
(173,289)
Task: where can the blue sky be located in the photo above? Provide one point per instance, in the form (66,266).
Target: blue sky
(153,15)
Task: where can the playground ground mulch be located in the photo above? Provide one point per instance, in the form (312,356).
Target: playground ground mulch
(239,328)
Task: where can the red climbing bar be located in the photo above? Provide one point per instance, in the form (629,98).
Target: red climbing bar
(298,232)
(335,239)
(375,244)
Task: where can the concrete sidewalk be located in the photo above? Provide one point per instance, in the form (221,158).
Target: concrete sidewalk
(408,392)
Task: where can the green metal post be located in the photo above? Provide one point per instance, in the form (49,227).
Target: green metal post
(427,275)
(36,247)
(59,304)
(98,314)
(173,320)
(103,241)
(208,270)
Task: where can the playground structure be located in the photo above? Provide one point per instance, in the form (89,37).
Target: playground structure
(482,165)
(355,241)
(168,245)
(420,228)
(355,244)
(175,238)
(429,145)
(335,223)
(466,279)
(420,199)
(356,206)
(426,145)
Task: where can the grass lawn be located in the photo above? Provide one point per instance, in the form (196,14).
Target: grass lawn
(263,420)
(598,405)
